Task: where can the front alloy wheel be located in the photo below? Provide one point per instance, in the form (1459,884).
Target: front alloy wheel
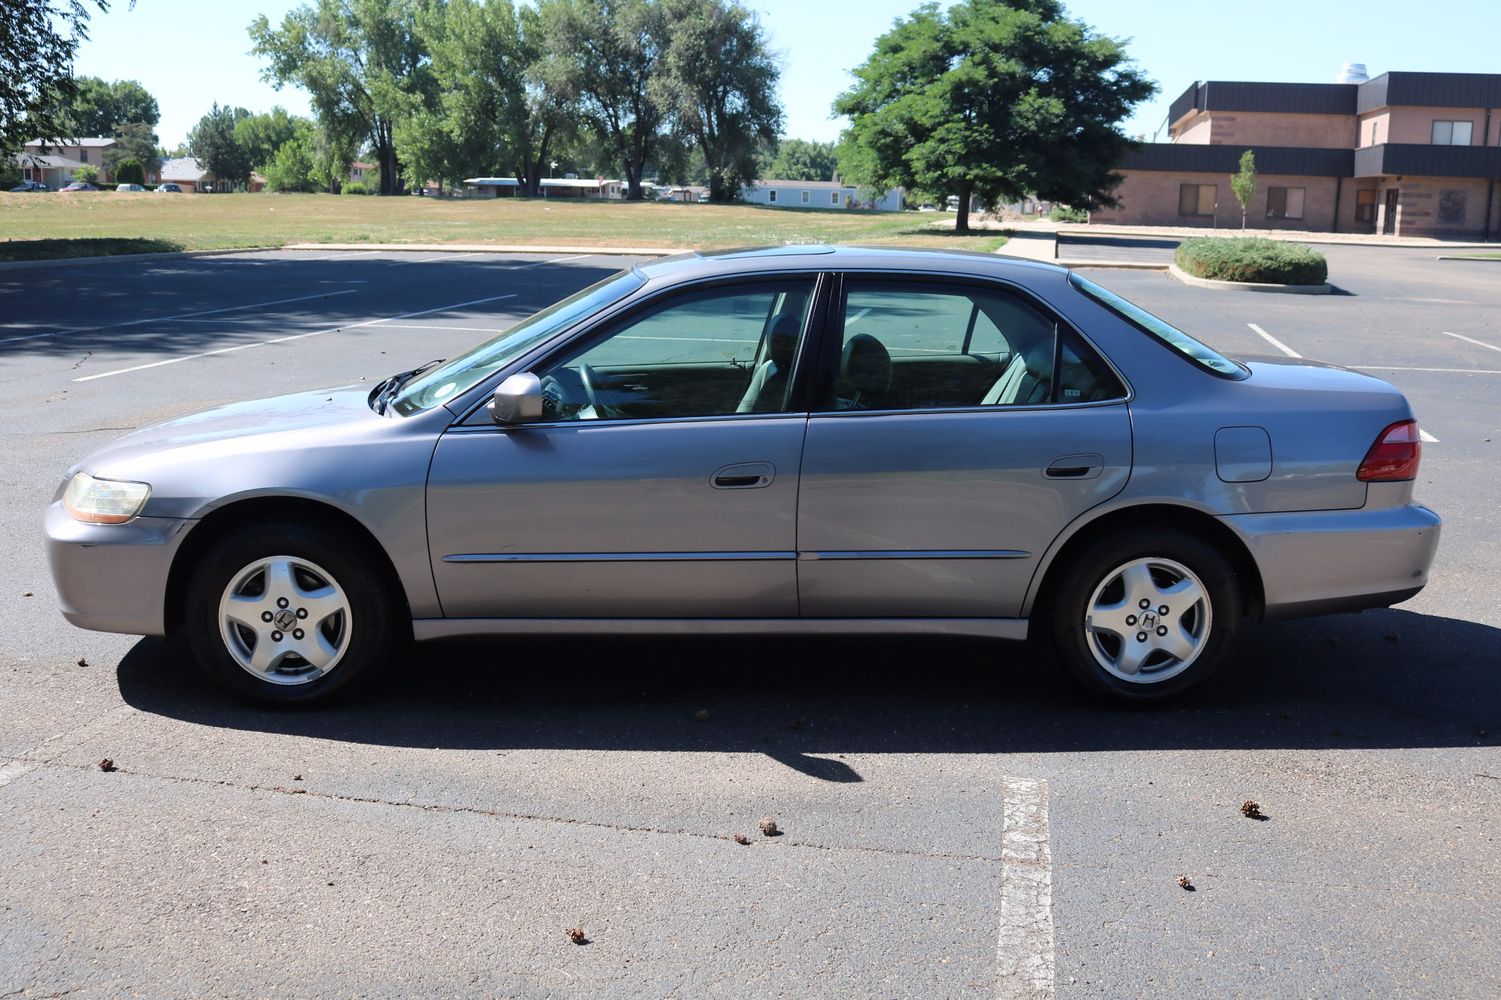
(285,620)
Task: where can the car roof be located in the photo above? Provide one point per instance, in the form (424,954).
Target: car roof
(696,265)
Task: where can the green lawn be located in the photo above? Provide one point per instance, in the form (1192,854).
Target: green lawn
(51,225)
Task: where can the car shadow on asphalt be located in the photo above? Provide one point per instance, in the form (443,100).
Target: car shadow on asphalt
(1384,679)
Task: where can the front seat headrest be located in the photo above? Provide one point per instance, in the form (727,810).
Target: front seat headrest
(865,366)
(783,345)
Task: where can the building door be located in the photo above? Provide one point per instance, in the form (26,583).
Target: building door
(1389,221)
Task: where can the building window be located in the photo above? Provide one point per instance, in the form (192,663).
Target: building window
(1452,133)
(83,156)
(1373,134)
(834,199)
(1365,205)
(772,197)
(1451,207)
(1285,202)
(807,195)
(1196,199)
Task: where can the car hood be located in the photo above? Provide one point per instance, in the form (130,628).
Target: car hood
(310,444)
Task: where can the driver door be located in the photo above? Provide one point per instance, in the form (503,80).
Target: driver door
(661,482)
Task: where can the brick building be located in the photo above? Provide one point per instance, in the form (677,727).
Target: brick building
(1404,154)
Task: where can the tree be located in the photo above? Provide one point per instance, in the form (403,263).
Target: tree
(129,172)
(86,174)
(719,83)
(1244,184)
(37,42)
(100,108)
(260,136)
(801,160)
(133,141)
(600,57)
(213,144)
(361,61)
(996,98)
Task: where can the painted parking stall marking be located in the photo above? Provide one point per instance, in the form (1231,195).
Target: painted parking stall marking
(1024,949)
(1471,340)
(1279,345)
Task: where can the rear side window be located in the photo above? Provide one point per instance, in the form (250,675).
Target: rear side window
(1160,330)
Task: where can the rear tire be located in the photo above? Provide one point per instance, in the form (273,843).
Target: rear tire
(288,614)
(1143,617)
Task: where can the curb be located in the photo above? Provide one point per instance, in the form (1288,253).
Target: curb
(1247,286)
(1472,260)
(1309,237)
(115,258)
(484,248)
(1129,265)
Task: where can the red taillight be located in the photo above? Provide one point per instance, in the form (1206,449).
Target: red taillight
(1395,455)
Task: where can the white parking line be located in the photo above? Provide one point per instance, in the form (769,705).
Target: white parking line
(1425,436)
(1452,371)
(295,336)
(1279,345)
(1024,951)
(179,316)
(1471,340)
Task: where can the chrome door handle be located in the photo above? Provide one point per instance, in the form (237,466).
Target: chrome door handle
(744,476)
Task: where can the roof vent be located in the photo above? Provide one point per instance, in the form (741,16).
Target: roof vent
(1352,73)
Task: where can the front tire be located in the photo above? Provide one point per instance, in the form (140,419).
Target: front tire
(1145,617)
(284,613)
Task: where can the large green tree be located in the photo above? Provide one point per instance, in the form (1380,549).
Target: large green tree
(995,98)
(802,160)
(99,108)
(134,141)
(720,85)
(601,57)
(37,41)
(260,136)
(363,64)
(213,143)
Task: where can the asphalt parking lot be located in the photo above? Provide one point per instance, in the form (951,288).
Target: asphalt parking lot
(956,822)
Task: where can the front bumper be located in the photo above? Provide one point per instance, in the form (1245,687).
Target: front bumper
(1321,562)
(113,577)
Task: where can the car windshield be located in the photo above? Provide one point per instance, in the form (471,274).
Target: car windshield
(1200,354)
(469,369)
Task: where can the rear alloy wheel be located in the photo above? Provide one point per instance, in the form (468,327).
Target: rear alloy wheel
(1144,618)
(285,613)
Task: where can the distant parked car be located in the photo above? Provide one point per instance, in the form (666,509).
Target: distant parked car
(927,208)
(803,440)
(79,186)
(130,187)
(31,186)
(168,189)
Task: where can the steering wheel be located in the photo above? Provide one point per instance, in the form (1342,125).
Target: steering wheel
(590,381)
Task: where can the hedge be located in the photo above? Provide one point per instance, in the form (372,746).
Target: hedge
(1251,259)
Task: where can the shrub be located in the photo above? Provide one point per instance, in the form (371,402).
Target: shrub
(1062,213)
(130,172)
(1251,259)
(354,187)
(87,174)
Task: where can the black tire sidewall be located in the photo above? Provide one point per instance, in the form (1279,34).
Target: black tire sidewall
(1069,602)
(374,608)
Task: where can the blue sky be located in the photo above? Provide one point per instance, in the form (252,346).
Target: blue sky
(190,54)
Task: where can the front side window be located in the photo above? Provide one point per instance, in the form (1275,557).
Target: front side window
(713,352)
(1285,202)
(921,345)
(1160,330)
(1196,199)
(1451,133)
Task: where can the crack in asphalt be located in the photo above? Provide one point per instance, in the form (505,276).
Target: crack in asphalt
(438,807)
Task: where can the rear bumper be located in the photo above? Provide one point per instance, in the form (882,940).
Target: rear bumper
(112,577)
(1321,562)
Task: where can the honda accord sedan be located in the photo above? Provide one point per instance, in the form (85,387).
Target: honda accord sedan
(793,440)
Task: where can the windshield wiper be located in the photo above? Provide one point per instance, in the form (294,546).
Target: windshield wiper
(386,389)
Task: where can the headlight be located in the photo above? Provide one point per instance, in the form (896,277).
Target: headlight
(103,501)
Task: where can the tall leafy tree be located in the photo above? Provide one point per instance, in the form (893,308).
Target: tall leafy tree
(260,136)
(100,108)
(995,98)
(134,141)
(601,57)
(719,82)
(213,143)
(37,41)
(363,64)
(802,160)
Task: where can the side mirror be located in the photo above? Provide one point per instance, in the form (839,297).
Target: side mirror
(517,399)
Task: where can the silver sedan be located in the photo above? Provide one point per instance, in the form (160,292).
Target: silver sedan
(792,440)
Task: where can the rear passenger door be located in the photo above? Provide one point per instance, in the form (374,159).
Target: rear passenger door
(959,427)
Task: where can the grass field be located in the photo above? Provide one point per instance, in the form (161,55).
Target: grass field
(53,225)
